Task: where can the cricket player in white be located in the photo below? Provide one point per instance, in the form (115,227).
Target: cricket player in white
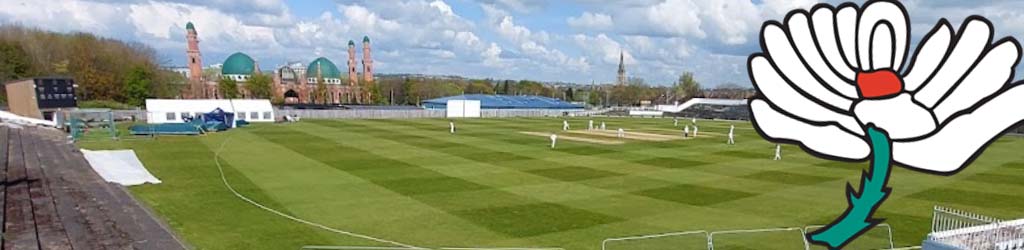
(695,121)
(622,133)
(675,122)
(686,130)
(694,131)
(554,138)
(778,152)
(731,139)
(590,125)
(451,127)
(602,126)
(565,125)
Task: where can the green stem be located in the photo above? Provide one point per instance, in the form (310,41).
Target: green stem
(857,218)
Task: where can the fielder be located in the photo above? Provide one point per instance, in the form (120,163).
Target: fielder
(675,122)
(686,130)
(695,121)
(778,152)
(732,141)
(622,133)
(565,125)
(451,127)
(554,138)
(602,126)
(694,131)
(590,125)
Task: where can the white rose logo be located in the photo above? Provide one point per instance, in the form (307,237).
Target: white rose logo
(836,81)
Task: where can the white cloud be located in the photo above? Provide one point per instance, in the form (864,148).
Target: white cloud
(591,21)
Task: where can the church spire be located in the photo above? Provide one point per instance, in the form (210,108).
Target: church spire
(622,69)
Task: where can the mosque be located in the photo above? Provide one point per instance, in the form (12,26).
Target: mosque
(292,84)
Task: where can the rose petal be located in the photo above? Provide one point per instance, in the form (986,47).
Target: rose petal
(846,28)
(803,40)
(827,140)
(928,56)
(973,39)
(992,72)
(823,21)
(875,13)
(957,143)
(777,91)
(881,47)
(899,116)
(779,49)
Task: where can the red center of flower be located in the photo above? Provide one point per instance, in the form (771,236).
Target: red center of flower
(880,83)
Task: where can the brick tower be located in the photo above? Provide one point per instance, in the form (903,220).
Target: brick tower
(195,63)
(367,69)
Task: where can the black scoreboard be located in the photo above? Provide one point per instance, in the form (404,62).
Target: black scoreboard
(55,93)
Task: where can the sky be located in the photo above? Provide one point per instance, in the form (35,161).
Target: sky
(575,41)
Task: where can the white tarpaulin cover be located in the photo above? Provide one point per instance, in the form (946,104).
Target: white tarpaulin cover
(119,166)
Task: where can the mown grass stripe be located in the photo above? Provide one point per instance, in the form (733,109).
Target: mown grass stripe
(555,218)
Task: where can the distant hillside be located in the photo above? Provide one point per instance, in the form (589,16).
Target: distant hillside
(105,69)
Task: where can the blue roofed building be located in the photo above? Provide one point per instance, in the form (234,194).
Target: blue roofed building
(505,102)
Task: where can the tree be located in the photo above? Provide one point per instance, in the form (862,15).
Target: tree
(569,95)
(320,93)
(136,86)
(14,62)
(228,88)
(259,86)
(479,87)
(687,87)
(505,89)
(409,87)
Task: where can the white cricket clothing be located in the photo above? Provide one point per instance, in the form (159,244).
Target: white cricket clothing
(565,125)
(602,126)
(622,133)
(554,138)
(590,125)
(451,127)
(778,152)
(731,137)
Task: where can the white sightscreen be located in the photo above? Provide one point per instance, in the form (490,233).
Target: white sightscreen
(463,108)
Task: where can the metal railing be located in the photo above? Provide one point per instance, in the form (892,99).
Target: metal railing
(604,243)
(945,219)
(711,236)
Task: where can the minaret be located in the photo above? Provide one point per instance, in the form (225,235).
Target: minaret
(195,61)
(352,75)
(367,61)
(622,69)
(367,70)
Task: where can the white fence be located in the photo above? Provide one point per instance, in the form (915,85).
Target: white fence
(796,236)
(945,219)
(956,229)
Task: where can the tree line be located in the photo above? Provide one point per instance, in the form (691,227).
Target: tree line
(104,69)
(411,90)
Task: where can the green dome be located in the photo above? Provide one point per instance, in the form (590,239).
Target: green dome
(328,67)
(366,39)
(189,26)
(238,64)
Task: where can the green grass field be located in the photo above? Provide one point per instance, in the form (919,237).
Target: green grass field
(490,185)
